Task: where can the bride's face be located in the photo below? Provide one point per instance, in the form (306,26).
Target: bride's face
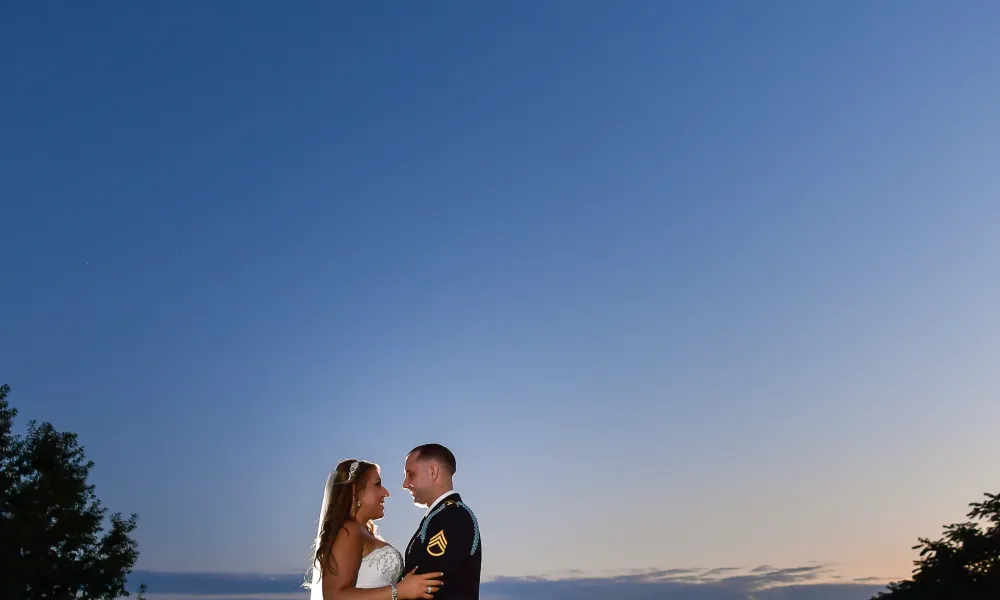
(372,497)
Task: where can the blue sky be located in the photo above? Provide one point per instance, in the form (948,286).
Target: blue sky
(689,285)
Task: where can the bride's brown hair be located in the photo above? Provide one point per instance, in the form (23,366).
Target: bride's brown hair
(340,508)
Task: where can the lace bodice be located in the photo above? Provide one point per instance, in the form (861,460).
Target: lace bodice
(380,567)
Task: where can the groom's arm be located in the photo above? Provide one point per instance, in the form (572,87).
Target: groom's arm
(449,541)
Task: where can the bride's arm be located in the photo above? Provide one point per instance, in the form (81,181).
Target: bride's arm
(339,578)
(341,574)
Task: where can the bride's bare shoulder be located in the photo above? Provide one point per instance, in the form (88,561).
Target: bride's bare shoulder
(351,534)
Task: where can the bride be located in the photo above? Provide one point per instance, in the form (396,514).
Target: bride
(351,561)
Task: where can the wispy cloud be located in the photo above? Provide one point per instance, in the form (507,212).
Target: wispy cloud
(808,582)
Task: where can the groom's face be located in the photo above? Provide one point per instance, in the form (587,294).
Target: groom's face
(417,480)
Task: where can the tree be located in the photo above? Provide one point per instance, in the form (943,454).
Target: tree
(53,543)
(963,565)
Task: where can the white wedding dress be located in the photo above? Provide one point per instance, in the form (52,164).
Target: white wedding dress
(381,567)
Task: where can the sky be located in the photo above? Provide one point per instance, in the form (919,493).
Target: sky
(683,285)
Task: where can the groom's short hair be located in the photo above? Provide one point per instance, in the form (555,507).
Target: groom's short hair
(436,452)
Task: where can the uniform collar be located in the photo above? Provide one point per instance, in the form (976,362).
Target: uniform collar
(438,501)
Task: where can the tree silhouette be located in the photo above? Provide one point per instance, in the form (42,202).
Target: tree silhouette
(963,565)
(53,544)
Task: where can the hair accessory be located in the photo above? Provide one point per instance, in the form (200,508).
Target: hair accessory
(350,473)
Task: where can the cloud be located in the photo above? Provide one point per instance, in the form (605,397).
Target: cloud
(724,583)
(809,582)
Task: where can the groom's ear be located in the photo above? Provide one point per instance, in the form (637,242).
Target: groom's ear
(433,470)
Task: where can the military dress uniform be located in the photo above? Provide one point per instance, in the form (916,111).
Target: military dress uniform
(448,542)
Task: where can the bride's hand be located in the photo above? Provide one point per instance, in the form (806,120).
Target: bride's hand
(414,587)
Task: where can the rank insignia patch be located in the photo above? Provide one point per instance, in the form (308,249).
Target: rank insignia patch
(437,545)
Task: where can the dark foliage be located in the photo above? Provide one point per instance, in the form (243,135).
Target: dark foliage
(963,565)
(53,540)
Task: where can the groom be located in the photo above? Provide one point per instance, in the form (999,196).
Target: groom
(448,538)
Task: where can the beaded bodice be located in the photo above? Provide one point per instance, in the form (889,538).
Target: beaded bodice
(381,567)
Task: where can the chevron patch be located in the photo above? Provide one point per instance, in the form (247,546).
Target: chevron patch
(437,544)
